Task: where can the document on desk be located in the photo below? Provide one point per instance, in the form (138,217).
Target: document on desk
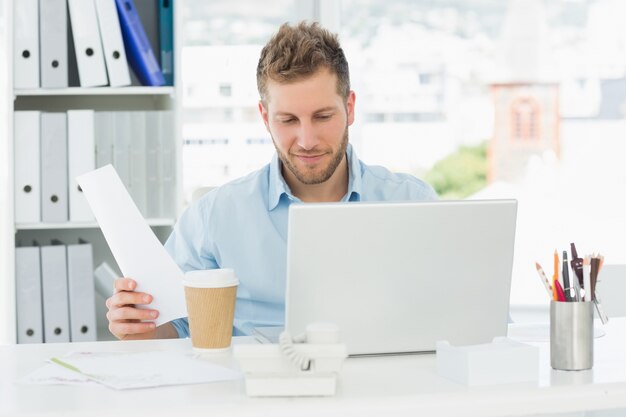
(53,374)
(136,249)
(131,370)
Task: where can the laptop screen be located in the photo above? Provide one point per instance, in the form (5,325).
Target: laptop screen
(398,277)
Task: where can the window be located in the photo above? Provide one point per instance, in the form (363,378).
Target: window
(463,68)
(222,42)
(453,89)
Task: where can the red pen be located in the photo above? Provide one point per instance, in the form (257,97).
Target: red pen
(560,295)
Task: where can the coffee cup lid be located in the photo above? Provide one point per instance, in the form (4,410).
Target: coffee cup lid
(211,278)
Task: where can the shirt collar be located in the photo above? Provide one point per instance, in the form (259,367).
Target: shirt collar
(278,186)
(355,176)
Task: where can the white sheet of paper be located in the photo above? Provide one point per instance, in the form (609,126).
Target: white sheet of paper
(146,369)
(136,249)
(53,374)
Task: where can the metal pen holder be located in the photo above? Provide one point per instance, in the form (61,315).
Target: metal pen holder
(571,335)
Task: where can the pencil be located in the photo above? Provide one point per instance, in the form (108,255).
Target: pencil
(555,277)
(544,279)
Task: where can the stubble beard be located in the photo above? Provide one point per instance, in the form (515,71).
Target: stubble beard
(312,178)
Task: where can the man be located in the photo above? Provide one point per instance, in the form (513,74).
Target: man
(307,106)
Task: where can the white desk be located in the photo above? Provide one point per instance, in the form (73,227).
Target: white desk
(379,386)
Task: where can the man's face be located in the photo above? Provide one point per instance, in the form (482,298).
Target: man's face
(308,121)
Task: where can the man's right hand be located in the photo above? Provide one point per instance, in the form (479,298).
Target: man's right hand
(126,321)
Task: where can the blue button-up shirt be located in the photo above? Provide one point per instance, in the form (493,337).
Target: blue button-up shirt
(243,225)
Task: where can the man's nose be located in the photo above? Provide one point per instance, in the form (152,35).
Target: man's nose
(307,138)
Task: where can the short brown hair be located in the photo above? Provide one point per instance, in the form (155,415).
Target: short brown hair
(296,52)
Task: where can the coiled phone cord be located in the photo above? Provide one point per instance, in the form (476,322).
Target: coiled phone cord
(286,342)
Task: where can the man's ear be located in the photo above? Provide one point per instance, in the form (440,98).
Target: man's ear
(350,107)
(264,115)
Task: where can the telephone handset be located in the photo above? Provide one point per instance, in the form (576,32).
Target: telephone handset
(303,365)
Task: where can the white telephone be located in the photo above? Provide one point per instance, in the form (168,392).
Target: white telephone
(306,365)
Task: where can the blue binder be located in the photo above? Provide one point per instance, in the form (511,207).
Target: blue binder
(166,39)
(139,53)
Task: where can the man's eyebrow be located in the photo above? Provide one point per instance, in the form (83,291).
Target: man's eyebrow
(323,109)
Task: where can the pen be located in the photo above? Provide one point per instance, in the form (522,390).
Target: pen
(577,264)
(587,278)
(595,263)
(566,283)
(65,365)
(544,279)
(560,295)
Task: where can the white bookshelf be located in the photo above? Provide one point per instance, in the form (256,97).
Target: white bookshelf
(7,237)
(99,99)
(86,225)
(100,91)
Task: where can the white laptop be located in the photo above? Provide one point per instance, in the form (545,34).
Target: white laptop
(398,277)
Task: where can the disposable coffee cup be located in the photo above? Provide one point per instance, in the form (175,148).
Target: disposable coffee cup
(571,335)
(210,295)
